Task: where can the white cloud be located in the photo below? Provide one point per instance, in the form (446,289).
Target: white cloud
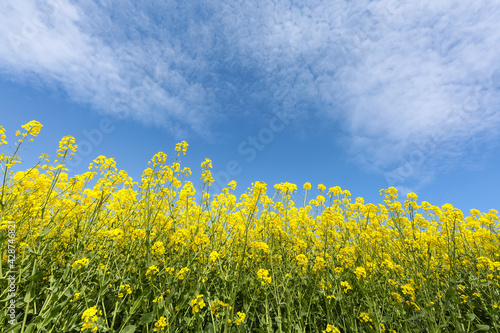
(394,74)
(56,42)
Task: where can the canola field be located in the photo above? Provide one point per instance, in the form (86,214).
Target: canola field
(102,252)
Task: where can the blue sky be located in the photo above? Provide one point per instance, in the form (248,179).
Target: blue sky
(363,95)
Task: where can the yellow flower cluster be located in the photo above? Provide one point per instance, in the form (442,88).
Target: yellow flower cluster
(346,286)
(360,273)
(409,290)
(240,319)
(182,273)
(332,329)
(76,297)
(80,263)
(197,304)
(2,136)
(365,317)
(331,250)
(158,248)
(319,264)
(90,318)
(214,255)
(152,270)
(161,324)
(263,276)
(182,147)
(67,146)
(124,289)
(216,305)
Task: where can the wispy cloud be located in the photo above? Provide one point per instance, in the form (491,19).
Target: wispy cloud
(97,63)
(395,75)
(400,78)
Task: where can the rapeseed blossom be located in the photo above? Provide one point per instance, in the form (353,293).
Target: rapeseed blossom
(240,319)
(152,270)
(182,273)
(365,317)
(360,273)
(346,286)
(80,263)
(161,324)
(331,328)
(197,304)
(216,306)
(257,252)
(2,136)
(158,248)
(125,289)
(263,276)
(90,318)
(214,255)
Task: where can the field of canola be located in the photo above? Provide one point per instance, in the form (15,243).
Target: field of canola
(100,252)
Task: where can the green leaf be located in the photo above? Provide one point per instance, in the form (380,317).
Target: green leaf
(53,313)
(135,306)
(29,295)
(67,293)
(146,318)
(35,276)
(30,328)
(482,328)
(470,317)
(209,328)
(129,329)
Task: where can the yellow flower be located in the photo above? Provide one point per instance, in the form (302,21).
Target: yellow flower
(158,248)
(335,191)
(197,304)
(241,318)
(79,263)
(76,297)
(397,297)
(346,286)
(161,324)
(319,264)
(301,259)
(360,272)
(66,145)
(365,317)
(152,270)
(331,328)
(207,164)
(90,318)
(206,176)
(214,307)
(411,196)
(263,276)
(408,290)
(3,136)
(126,288)
(182,273)
(214,256)
(181,147)
(33,128)
(307,186)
